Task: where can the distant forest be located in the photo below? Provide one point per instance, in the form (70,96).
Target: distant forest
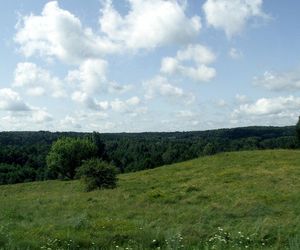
(23,154)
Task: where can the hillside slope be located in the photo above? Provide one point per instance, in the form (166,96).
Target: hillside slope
(256,193)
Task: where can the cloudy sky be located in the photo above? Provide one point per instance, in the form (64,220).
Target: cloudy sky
(148,65)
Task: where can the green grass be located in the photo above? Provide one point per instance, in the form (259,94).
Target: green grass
(197,204)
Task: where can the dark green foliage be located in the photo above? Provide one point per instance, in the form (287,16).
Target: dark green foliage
(67,154)
(96,173)
(298,130)
(137,151)
(101,150)
(10,174)
(209,149)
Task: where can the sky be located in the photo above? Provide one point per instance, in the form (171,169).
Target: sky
(148,65)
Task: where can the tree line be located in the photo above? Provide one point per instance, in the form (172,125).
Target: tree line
(23,155)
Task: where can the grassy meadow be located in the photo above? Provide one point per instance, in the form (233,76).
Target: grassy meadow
(239,200)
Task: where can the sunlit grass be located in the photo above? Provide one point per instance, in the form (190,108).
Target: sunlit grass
(178,206)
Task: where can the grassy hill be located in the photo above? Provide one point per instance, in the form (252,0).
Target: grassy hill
(231,200)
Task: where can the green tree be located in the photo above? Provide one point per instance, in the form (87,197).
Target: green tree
(209,149)
(67,154)
(97,140)
(96,173)
(298,129)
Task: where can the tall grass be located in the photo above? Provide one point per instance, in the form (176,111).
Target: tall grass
(244,200)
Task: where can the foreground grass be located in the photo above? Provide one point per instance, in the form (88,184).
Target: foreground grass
(231,200)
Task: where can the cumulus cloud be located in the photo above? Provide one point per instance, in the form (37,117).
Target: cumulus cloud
(232,15)
(34,119)
(37,81)
(19,114)
(114,105)
(149,24)
(91,75)
(57,33)
(221,103)
(40,115)
(160,86)
(11,101)
(91,79)
(115,88)
(241,98)
(279,81)
(92,121)
(69,123)
(60,34)
(197,54)
(279,106)
(235,53)
(125,106)
(185,114)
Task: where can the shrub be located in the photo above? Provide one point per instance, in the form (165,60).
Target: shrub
(96,173)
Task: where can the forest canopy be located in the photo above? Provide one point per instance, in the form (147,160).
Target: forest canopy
(23,154)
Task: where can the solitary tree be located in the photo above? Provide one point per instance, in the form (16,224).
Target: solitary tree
(67,154)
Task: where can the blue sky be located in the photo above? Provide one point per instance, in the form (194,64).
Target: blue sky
(148,65)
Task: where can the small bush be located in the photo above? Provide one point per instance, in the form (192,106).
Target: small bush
(96,173)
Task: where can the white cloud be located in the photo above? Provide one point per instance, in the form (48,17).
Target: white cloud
(241,98)
(279,106)
(149,24)
(37,81)
(185,114)
(197,54)
(125,106)
(114,88)
(221,103)
(279,81)
(19,111)
(232,15)
(235,53)
(91,76)
(91,79)
(58,33)
(169,65)
(115,105)
(18,114)
(41,115)
(82,121)
(28,121)
(11,101)
(160,86)
(69,123)
(133,101)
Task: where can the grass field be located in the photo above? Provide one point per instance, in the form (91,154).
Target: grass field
(240,200)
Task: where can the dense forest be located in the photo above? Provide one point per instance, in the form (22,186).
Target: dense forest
(23,154)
